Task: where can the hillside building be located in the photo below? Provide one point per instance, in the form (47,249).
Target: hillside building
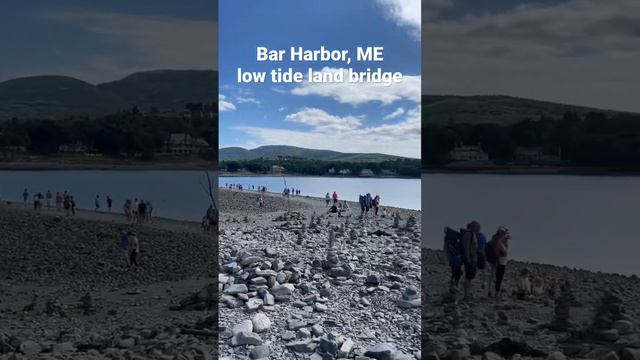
(468,153)
(184,144)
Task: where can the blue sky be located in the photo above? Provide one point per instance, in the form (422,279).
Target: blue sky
(102,41)
(582,52)
(342,117)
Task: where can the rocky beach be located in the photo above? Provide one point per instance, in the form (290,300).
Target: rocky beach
(66,292)
(297,282)
(571,314)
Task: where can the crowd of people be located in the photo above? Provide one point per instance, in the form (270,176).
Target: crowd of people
(290,192)
(367,204)
(470,254)
(63,202)
(138,210)
(240,187)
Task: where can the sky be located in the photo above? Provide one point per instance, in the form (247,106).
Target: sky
(363,118)
(99,41)
(581,52)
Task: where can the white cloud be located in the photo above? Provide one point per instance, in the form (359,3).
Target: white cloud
(360,93)
(432,8)
(143,42)
(224,105)
(281,109)
(323,122)
(398,112)
(583,52)
(279,90)
(401,138)
(243,100)
(406,13)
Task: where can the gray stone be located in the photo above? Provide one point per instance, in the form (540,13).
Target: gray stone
(30,348)
(261,322)
(260,352)
(303,346)
(237,289)
(372,280)
(346,348)
(63,348)
(245,325)
(254,304)
(623,326)
(381,351)
(630,354)
(282,291)
(293,324)
(250,260)
(246,338)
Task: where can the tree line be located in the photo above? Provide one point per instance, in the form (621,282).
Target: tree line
(126,134)
(300,166)
(593,139)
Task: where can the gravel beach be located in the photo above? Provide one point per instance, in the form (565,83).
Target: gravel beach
(574,314)
(307,284)
(66,293)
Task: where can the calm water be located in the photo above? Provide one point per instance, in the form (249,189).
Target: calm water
(174,194)
(577,221)
(404,193)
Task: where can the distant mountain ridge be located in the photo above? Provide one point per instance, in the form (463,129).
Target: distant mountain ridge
(274,151)
(496,109)
(54,96)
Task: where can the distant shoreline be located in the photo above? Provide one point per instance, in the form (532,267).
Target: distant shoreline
(310,199)
(114,217)
(45,166)
(537,170)
(246,174)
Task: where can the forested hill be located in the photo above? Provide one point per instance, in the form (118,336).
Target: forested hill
(521,131)
(284,151)
(493,109)
(56,97)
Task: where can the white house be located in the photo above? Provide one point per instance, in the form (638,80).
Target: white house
(468,153)
(185,144)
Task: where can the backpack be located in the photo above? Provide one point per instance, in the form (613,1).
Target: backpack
(452,245)
(490,252)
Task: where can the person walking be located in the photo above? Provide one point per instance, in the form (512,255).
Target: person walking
(335,197)
(109,203)
(470,256)
(498,250)
(327,199)
(483,273)
(58,201)
(134,209)
(97,203)
(134,249)
(368,203)
(376,205)
(142,211)
(49,196)
(67,205)
(25,196)
(127,209)
(452,248)
(124,246)
(73,206)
